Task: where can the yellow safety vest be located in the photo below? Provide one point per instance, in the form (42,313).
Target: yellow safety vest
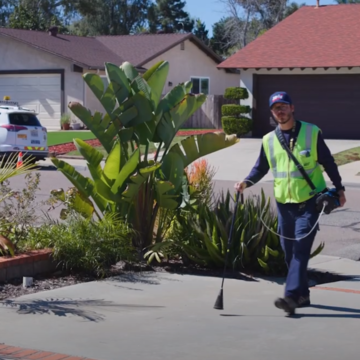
(289,185)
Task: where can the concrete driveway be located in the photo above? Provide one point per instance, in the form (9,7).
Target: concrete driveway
(235,162)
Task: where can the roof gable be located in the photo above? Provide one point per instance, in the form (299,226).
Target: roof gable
(93,52)
(83,51)
(328,36)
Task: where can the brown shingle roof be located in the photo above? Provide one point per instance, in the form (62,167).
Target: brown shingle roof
(139,49)
(83,51)
(93,52)
(328,36)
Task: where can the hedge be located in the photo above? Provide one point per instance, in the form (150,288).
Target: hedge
(234,125)
(235,110)
(236,93)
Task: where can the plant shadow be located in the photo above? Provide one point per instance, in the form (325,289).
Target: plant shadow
(350,313)
(67,307)
(315,277)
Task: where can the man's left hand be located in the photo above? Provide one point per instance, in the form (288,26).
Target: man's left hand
(342,198)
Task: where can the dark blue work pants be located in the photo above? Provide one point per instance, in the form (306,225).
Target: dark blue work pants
(295,221)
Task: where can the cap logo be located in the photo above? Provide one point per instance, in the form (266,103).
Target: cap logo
(277,97)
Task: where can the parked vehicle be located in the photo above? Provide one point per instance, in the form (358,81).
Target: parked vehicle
(21,130)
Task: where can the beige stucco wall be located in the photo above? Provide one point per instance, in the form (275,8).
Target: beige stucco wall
(246,78)
(15,55)
(183,65)
(194,62)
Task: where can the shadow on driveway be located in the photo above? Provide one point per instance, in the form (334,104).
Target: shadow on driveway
(65,307)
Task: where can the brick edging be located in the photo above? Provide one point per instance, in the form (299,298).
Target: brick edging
(12,352)
(30,263)
(27,257)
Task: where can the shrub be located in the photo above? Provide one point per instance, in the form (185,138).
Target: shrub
(201,236)
(236,93)
(234,125)
(84,244)
(233,119)
(201,175)
(18,208)
(235,110)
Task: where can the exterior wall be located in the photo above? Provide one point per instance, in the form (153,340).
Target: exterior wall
(15,55)
(246,78)
(193,62)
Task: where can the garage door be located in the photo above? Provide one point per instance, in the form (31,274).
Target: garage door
(330,101)
(39,92)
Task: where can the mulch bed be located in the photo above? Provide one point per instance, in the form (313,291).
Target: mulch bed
(63,149)
(59,279)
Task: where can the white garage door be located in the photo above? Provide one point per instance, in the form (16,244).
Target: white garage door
(39,92)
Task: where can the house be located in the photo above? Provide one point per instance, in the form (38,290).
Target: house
(43,70)
(314,55)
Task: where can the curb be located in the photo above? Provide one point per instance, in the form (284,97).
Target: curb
(12,352)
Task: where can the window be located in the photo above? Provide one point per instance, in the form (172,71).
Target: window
(24,119)
(200,85)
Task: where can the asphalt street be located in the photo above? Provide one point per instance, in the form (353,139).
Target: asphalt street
(339,230)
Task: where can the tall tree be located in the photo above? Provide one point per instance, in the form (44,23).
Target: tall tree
(347,1)
(201,32)
(36,15)
(169,16)
(6,8)
(250,18)
(110,17)
(220,41)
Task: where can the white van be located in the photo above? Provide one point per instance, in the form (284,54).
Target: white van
(21,130)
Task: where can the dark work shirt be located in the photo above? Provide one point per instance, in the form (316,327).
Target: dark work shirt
(325,158)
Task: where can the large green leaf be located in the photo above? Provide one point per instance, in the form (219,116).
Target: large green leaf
(107,98)
(168,102)
(145,131)
(130,72)
(119,82)
(137,180)
(114,163)
(172,120)
(197,146)
(77,201)
(127,170)
(85,185)
(144,111)
(162,198)
(173,169)
(102,127)
(156,78)
(91,155)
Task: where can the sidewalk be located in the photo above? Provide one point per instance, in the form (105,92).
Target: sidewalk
(160,316)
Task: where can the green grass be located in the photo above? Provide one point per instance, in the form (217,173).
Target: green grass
(62,137)
(152,148)
(347,156)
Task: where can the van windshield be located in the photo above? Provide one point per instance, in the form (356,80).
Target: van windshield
(24,119)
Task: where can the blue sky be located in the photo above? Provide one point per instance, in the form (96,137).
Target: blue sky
(211,11)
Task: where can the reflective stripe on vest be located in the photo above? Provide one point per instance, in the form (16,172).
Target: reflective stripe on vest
(297,173)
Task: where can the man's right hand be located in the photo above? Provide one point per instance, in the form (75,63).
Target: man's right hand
(240,186)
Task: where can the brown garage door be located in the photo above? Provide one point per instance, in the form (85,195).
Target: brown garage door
(330,101)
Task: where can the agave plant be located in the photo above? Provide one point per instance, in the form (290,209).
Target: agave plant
(132,183)
(202,236)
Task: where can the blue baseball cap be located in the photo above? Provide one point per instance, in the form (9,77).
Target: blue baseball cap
(279,97)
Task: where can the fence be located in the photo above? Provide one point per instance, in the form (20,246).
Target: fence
(209,115)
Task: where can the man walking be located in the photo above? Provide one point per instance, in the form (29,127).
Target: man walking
(295,199)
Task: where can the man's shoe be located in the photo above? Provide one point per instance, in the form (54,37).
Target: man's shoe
(303,301)
(287,304)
